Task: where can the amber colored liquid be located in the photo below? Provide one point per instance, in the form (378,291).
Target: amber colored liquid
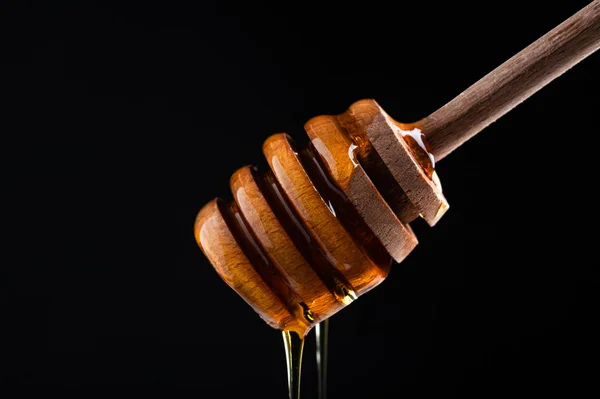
(289,219)
(343,209)
(265,268)
(420,149)
(294,346)
(322,337)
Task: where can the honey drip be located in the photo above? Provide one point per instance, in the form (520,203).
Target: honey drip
(322,337)
(294,346)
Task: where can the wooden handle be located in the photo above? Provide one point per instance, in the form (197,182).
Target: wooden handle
(513,82)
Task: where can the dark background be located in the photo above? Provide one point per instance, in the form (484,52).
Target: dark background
(120,120)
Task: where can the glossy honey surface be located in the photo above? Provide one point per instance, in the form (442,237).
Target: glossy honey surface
(321,227)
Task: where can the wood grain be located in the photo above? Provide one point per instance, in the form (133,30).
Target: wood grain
(384,135)
(512,82)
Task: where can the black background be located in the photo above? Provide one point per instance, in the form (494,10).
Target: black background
(119,121)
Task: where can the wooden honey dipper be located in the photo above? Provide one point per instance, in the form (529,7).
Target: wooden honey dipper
(322,226)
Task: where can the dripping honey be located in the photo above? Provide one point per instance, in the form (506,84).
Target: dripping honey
(294,346)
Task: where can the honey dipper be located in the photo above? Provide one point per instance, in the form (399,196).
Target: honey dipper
(304,239)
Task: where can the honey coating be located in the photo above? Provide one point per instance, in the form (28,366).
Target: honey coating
(221,248)
(305,238)
(319,218)
(302,239)
(311,291)
(419,147)
(337,152)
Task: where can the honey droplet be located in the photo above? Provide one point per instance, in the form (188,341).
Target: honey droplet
(308,315)
(420,149)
